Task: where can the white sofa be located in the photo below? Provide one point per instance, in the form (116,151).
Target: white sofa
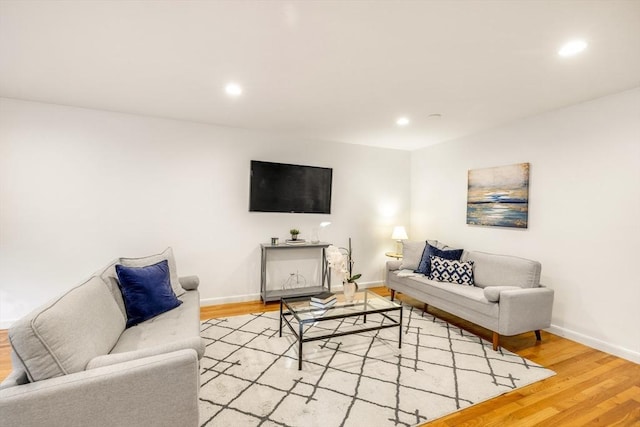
(75,364)
(506,298)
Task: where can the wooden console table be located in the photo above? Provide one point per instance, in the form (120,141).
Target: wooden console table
(277,294)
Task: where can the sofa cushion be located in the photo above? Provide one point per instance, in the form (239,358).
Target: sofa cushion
(64,335)
(154,259)
(146,291)
(503,270)
(469,297)
(110,277)
(412,253)
(163,330)
(451,271)
(425,262)
(492,293)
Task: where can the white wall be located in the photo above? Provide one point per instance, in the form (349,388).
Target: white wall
(584,211)
(81,187)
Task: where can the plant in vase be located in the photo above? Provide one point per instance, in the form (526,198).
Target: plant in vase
(294,233)
(341,261)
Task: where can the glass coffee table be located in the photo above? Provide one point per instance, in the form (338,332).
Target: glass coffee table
(365,303)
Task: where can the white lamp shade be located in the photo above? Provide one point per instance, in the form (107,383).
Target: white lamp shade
(399,233)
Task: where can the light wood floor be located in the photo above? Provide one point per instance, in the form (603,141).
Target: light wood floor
(590,388)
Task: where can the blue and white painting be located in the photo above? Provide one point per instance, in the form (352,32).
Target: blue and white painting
(499,196)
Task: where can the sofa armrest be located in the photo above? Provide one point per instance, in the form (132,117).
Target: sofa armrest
(524,310)
(391,266)
(16,377)
(394,265)
(195,343)
(159,391)
(189,283)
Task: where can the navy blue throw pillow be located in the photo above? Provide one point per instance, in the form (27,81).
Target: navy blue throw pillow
(146,291)
(425,263)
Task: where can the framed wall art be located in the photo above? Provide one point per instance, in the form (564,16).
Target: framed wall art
(499,196)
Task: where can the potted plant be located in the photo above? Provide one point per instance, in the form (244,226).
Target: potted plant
(341,260)
(294,233)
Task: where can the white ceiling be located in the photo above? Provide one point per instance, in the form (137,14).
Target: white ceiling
(323,70)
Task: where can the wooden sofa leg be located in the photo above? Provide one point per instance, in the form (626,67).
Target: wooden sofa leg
(538,337)
(496,341)
(425,307)
(393,294)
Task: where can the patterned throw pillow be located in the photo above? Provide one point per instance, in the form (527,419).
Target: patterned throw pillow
(452,271)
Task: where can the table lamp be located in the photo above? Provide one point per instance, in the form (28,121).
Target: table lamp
(399,234)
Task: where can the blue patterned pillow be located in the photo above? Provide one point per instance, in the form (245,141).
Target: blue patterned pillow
(452,271)
(425,263)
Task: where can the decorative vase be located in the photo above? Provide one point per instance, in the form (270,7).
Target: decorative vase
(349,290)
(315,232)
(294,237)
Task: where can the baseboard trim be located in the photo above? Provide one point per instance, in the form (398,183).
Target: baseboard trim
(360,285)
(616,350)
(204,302)
(6,323)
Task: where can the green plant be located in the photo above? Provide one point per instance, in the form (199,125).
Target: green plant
(294,231)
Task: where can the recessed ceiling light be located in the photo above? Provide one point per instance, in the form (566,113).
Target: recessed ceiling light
(233,89)
(572,48)
(402,121)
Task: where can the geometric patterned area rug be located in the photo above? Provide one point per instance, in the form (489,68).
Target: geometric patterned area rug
(250,377)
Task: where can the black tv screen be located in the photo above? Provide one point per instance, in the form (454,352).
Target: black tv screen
(280,187)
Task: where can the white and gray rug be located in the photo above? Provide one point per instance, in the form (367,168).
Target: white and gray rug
(250,376)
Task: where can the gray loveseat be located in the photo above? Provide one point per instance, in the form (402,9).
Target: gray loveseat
(75,364)
(506,298)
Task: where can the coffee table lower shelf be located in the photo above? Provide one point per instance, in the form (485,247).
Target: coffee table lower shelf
(363,306)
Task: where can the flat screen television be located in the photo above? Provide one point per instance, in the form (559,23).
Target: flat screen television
(281,187)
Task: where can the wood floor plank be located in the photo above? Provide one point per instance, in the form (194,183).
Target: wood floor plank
(5,355)
(590,388)
(572,409)
(605,414)
(565,397)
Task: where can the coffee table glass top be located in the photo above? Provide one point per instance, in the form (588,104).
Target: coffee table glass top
(364,302)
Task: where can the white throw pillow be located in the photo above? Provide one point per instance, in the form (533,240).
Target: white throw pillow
(411,254)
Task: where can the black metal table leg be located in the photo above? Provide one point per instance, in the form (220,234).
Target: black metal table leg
(365,304)
(280,333)
(300,329)
(400,330)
